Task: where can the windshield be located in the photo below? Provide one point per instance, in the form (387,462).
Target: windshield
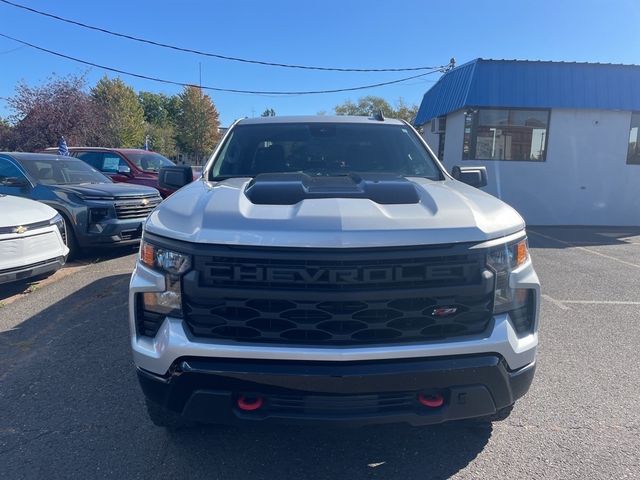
(63,172)
(149,161)
(323,149)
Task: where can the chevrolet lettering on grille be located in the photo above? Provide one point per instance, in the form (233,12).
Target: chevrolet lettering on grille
(333,275)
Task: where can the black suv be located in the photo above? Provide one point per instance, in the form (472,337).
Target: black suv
(97,212)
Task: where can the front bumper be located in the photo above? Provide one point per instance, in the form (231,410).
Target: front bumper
(173,340)
(113,232)
(33,270)
(353,393)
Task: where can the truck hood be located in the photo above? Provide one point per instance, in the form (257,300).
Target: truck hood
(18,211)
(220,213)
(106,189)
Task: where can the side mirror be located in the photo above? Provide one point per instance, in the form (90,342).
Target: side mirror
(474,176)
(19,182)
(124,169)
(173,178)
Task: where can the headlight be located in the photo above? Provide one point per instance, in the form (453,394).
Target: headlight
(58,221)
(163,259)
(168,302)
(508,257)
(517,301)
(97,215)
(173,264)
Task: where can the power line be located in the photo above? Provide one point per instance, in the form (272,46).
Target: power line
(11,50)
(216,89)
(210,54)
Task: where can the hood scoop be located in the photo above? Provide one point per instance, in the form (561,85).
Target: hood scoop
(291,188)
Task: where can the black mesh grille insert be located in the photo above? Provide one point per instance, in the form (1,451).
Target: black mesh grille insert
(342,404)
(302,321)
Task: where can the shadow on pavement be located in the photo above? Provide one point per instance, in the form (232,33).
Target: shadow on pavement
(22,287)
(72,408)
(566,237)
(397,451)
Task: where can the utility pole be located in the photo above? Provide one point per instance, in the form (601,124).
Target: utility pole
(201,115)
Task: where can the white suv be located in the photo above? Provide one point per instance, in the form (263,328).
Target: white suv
(32,239)
(329,269)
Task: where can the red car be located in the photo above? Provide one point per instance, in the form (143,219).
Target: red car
(128,165)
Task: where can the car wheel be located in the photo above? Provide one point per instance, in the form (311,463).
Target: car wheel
(162,417)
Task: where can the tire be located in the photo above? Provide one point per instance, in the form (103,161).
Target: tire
(162,417)
(70,241)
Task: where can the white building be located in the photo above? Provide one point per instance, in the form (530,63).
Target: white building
(560,141)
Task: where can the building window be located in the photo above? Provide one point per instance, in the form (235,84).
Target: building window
(633,153)
(439,127)
(497,134)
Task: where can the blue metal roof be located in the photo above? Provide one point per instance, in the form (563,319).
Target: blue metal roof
(533,84)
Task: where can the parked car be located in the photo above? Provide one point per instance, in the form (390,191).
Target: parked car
(329,269)
(96,211)
(32,239)
(126,165)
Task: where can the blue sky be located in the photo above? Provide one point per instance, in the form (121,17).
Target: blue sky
(343,33)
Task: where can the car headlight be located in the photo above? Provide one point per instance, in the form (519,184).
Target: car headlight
(58,221)
(518,302)
(97,215)
(173,264)
(163,259)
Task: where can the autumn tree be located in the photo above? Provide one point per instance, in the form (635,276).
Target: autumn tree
(370,105)
(121,111)
(197,123)
(42,114)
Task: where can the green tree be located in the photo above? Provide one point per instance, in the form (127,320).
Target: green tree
(5,135)
(269,112)
(197,123)
(122,113)
(162,138)
(159,109)
(370,105)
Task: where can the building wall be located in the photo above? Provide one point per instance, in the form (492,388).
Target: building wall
(584,181)
(431,138)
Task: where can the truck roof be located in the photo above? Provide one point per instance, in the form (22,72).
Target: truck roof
(319,119)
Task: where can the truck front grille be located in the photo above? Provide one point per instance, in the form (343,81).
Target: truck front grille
(376,320)
(352,297)
(136,207)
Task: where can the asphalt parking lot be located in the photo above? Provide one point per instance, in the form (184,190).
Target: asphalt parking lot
(70,406)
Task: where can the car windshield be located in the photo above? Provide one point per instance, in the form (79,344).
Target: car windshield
(323,149)
(68,171)
(149,161)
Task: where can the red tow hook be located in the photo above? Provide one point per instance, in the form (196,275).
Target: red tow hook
(249,404)
(435,400)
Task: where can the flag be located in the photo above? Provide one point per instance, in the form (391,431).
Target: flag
(62,147)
